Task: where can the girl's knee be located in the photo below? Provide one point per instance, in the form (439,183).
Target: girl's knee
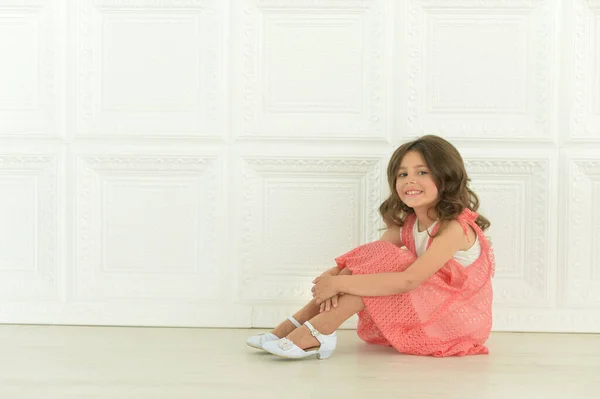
(354,301)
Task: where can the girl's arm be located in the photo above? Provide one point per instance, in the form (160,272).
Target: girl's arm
(334,271)
(443,247)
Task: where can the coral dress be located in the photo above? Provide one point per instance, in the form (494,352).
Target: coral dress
(450,314)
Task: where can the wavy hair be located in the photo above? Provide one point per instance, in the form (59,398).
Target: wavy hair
(450,176)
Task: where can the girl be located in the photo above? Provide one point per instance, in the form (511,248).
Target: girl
(425,287)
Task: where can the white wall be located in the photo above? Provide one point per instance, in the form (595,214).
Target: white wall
(198,162)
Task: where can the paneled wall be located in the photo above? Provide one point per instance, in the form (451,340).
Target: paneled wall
(199,162)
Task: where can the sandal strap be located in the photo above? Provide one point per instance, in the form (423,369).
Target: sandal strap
(294,321)
(314,332)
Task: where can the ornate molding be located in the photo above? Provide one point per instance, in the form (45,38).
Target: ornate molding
(536,124)
(535,175)
(370,124)
(153,4)
(308,4)
(582,267)
(585,126)
(91,117)
(41,118)
(254,170)
(90,173)
(45,170)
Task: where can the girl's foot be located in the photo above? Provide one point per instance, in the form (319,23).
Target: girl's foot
(285,327)
(308,341)
(257,341)
(303,338)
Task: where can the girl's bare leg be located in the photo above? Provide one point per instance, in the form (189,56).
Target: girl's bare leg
(309,311)
(327,322)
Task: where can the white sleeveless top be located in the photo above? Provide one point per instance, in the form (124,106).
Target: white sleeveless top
(465,258)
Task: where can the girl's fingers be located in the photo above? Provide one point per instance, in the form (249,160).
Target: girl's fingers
(334,301)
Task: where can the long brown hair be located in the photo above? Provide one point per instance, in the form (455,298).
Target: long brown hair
(450,176)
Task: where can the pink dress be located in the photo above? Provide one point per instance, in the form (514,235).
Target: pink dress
(450,314)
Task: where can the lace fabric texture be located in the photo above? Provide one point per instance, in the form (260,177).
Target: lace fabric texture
(450,314)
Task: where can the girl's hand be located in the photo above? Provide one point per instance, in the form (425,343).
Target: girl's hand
(334,271)
(324,288)
(330,303)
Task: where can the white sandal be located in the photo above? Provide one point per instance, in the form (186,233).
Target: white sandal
(286,348)
(257,341)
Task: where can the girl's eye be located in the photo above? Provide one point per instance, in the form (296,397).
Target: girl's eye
(422,172)
(401,174)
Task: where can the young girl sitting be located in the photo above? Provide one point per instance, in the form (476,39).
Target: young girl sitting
(425,287)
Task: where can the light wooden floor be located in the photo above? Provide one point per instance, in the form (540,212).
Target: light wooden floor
(48,362)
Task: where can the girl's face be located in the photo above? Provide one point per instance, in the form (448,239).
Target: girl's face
(414,183)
